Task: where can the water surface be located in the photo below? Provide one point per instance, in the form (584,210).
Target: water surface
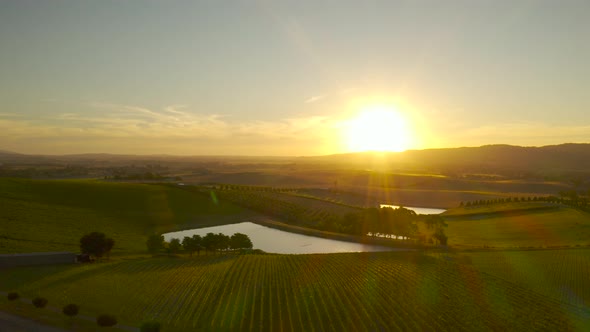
(418,210)
(277,241)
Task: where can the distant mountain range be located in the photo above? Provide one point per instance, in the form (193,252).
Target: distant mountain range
(558,157)
(565,157)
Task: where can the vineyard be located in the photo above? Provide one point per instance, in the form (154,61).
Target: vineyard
(292,208)
(560,274)
(335,292)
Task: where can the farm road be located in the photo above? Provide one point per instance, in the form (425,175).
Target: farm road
(11,323)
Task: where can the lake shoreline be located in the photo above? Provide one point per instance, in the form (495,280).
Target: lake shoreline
(390,243)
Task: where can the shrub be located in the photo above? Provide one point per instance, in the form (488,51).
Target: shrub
(150,327)
(12,296)
(40,302)
(71,310)
(106,320)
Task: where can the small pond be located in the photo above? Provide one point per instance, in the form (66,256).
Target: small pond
(277,241)
(418,210)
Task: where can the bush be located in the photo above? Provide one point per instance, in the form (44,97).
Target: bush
(40,302)
(150,327)
(12,296)
(71,310)
(106,320)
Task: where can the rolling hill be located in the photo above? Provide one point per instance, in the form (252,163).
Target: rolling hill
(46,215)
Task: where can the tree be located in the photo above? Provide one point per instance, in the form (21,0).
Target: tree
(209,242)
(96,244)
(71,310)
(240,241)
(197,243)
(440,236)
(39,302)
(187,244)
(437,223)
(155,243)
(192,244)
(214,242)
(174,246)
(222,241)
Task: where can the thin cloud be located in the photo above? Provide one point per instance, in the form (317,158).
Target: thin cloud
(175,109)
(314,99)
(10,115)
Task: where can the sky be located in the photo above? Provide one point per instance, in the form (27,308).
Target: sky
(289,77)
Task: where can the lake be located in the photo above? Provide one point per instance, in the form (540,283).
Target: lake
(418,210)
(277,241)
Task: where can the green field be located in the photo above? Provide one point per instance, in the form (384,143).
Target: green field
(550,228)
(53,215)
(336,292)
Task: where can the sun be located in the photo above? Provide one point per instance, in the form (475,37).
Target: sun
(378,128)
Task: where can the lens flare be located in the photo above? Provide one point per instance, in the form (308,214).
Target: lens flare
(378,128)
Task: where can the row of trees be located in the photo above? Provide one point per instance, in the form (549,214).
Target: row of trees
(399,221)
(210,243)
(252,188)
(575,198)
(571,198)
(508,200)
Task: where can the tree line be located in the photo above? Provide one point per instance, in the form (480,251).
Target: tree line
(567,197)
(227,187)
(211,242)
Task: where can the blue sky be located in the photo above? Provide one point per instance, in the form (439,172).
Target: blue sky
(284,77)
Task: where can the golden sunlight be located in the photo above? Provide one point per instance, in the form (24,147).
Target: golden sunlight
(378,128)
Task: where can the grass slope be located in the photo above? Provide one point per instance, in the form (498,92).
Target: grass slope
(336,292)
(52,215)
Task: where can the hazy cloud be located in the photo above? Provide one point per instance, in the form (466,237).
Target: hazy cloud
(314,99)
(10,115)
(172,129)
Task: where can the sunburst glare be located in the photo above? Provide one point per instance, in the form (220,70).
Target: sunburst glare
(378,128)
